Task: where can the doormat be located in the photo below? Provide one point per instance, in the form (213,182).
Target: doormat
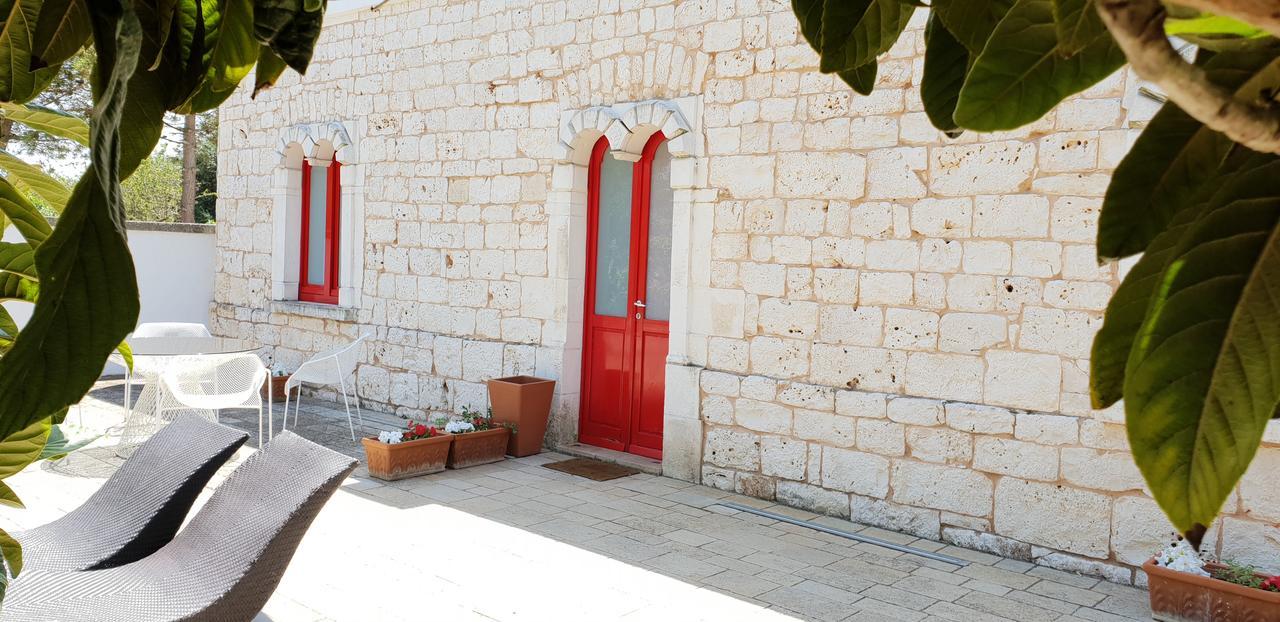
(591,469)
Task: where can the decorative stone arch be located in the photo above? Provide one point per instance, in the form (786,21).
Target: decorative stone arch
(319,144)
(628,127)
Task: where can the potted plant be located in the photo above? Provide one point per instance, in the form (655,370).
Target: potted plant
(274,385)
(477,439)
(419,449)
(1185,588)
(525,402)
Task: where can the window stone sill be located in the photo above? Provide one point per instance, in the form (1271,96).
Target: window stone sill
(314,310)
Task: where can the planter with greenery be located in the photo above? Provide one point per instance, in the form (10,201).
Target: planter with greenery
(273,386)
(419,449)
(478,439)
(1184,588)
(1190,339)
(150,57)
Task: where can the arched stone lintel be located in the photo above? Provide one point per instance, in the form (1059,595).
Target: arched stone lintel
(628,127)
(318,142)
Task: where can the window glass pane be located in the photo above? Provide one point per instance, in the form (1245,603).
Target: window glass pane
(661,198)
(317,221)
(613,239)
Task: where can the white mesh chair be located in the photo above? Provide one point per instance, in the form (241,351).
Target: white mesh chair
(213,383)
(328,368)
(145,366)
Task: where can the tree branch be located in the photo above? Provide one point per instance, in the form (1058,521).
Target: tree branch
(1138,27)
(1261,13)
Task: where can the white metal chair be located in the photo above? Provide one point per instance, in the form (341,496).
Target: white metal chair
(145,366)
(213,383)
(331,367)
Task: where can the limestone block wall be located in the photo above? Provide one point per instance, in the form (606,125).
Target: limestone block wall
(884,324)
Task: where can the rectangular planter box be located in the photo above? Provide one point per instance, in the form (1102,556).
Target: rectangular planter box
(525,402)
(1183,597)
(480,447)
(407,459)
(275,386)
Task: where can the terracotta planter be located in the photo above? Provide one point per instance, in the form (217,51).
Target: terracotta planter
(480,447)
(275,385)
(407,459)
(524,401)
(1183,597)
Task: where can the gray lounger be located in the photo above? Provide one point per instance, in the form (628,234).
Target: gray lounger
(221,568)
(141,506)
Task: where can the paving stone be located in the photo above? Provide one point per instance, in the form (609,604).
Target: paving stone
(739,583)
(991,574)
(1069,578)
(806,603)
(1068,593)
(911,600)
(1005,607)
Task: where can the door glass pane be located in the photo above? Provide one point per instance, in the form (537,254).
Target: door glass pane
(317,218)
(613,239)
(661,197)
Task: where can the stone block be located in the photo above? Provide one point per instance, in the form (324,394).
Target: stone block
(981,168)
(944,376)
(826,428)
(971,333)
(783,457)
(892,516)
(854,367)
(909,329)
(1138,529)
(1016,458)
(987,257)
(885,288)
(881,436)
(943,218)
(813,499)
(941,445)
(762,416)
(1055,516)
(916,411)
(820,175)
(779,358)
(861,404)
(855,471)
(733,449)
(855,325)
(1017,216)
(1047,429)
(1023,380)
(979,419)
(954,489)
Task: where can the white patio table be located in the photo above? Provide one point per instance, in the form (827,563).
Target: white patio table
(152,356)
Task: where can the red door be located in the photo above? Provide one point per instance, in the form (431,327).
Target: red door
(627,300)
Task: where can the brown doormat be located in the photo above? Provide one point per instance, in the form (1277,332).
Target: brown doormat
(591,469)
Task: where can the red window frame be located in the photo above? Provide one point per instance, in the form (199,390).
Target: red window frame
(327,292)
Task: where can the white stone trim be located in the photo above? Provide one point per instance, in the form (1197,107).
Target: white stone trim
(628,127)
(318,143)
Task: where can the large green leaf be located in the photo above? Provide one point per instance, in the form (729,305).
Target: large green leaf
(855,32)
(47,120)
(269,69)
(11,552)
(17,265)
(945,64)
(156,29)
(8,327)
(1021,75)
(19,82)
(296,41)
(1174,156)
(271,17)
(861,79)
(236,49)
(62,29)
(59,444)
(88,296)
(22,447)
(9,497)
(809,14)
(972,21)
(1203,378)
(33,179)
(24,216)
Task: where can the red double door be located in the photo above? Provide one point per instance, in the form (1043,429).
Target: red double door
(628,299)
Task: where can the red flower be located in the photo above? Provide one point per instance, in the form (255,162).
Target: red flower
(432,431)
(419,430)
(1271,584)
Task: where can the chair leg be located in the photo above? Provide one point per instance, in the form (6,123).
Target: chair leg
(285,424)
(345,402)
(297,406)
(355,395)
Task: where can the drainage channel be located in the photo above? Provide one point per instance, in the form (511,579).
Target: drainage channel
(901,548)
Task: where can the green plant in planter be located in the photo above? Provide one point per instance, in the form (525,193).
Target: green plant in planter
(1191,339)
(152,56)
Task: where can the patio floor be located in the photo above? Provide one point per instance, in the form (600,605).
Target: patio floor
(516,541)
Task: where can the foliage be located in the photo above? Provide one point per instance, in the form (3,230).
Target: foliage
(1191,339)
(1239,574)
(207,167)
(148,57)
(154,191)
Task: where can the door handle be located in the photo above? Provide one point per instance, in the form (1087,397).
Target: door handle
(639,308)
(638,304)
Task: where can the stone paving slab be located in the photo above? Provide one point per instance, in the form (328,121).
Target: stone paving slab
(514,541)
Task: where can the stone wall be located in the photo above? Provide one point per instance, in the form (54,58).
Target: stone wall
(885,324)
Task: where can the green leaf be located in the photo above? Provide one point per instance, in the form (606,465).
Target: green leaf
(1203,378)
(1173,156)
(18,81)
(269,69)
(48,120)
(972,21)
(1212,26)
(126,353)
(24,216)
(855,32)
(32,179)
(88,295)
(1125,312)
(12,554)
(17,265)
(62,29)
(809,14)
(157,30)
(945,64)
(861,79)
(59,444)
(297,41)
(1077,23)
(8,327)
(9,497)
(270,17)
(1020,74)
(22,447)
(236,48)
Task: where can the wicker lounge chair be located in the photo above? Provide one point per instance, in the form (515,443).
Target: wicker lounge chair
(221,568)
(141,506)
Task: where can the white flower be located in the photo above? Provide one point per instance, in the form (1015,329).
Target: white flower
(389,437)
(457,426)
(1182,557)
